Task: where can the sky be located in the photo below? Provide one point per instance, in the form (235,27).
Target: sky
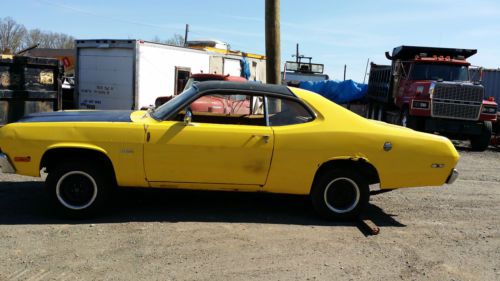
(335,33)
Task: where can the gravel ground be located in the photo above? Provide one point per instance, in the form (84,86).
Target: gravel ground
(431,233)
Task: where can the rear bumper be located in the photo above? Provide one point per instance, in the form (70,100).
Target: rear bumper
(452,177)
(5,164)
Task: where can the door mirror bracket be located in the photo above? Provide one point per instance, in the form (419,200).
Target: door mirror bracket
(188,117)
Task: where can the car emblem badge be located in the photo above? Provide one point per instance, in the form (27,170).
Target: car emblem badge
(127,151)
(387,146)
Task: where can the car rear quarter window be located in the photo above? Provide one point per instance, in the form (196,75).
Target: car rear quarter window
(283,112)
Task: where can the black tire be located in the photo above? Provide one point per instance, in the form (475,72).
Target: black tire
(379,113)
(482,141)
(369,112)
(349,187)
(406,120)
(404,117)
(78,190)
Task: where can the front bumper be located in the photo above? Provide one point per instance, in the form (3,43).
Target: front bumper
(5,165)
(452,177)
(453,126)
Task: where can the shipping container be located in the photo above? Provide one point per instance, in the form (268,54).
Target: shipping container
(490,79)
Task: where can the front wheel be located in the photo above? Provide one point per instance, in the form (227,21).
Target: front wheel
(340,194)
(482,141)
(77,190)
(407,120)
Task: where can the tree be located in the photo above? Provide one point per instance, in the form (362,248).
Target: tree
(12,35)
(49,39)
(176,40)
(58,41)
(15,37)
(33,37)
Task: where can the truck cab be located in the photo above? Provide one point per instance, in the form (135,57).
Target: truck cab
(429,89)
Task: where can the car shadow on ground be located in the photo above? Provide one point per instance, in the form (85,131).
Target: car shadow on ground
(26,203)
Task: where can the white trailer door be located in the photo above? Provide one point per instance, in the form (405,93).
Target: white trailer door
(232,67)
(106,78)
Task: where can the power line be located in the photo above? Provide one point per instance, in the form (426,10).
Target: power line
(112,18)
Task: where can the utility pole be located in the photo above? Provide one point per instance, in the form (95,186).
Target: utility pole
(297,53)
(186,35)
(366,70)
(273,48)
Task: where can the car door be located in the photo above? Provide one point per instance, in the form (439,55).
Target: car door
(221,145)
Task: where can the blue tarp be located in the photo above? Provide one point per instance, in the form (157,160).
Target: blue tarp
(245,68)
(337,91)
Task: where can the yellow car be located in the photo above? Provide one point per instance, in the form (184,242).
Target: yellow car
(225,136)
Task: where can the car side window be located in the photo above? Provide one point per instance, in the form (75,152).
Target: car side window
(223,108)
(287,112)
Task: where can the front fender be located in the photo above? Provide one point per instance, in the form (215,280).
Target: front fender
(70,145)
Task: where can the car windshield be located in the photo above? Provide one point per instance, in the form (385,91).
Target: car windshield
(189,83)
(445,72)
(174,103)
(196,79)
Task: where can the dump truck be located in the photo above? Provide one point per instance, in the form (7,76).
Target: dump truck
(429,89)
(28,85)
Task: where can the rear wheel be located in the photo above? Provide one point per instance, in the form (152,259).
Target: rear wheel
(78,190)
(482,141)
(341,194)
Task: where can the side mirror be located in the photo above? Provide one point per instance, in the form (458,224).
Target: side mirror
(188,117)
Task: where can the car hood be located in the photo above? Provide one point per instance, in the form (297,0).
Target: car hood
(79,116)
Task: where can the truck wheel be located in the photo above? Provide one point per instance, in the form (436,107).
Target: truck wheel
(78,190)
(406,120)
(482,141)
(380,113)
(342,194)
(404,117)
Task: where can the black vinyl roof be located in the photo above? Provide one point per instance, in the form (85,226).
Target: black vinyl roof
(202,88)
(409,52)
(245,86)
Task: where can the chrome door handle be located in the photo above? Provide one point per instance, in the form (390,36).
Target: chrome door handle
(264,137)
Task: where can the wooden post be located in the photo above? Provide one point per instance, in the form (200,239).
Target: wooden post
(273,48)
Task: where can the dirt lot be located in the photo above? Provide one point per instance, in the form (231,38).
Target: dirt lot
(447,233)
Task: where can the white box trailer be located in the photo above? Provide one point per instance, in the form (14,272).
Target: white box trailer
(131,74)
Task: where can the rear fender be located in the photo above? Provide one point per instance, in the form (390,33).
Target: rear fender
(76,145)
